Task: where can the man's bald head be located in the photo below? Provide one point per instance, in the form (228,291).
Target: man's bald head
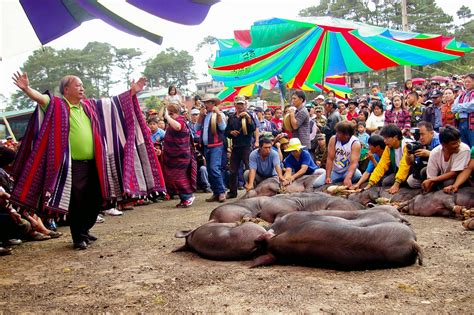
(66,81)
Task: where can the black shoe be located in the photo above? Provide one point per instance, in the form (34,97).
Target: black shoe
(231,195)
(91,237)
(212,198)
(81,245)
(5,251)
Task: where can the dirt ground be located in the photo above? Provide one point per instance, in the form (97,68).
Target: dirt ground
(131,269)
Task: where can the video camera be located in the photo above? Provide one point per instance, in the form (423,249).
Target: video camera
(412,147)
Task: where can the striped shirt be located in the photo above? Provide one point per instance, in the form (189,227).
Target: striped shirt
(400,119)
(303,130)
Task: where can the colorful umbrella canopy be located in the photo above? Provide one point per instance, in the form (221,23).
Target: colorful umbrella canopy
(336,83)
(304,52)
(50,19)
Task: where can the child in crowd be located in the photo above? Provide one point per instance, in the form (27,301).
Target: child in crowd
(364,145)
(157,133)
(376,148)
(362,134)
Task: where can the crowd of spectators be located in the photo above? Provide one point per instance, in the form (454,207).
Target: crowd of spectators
(421,136)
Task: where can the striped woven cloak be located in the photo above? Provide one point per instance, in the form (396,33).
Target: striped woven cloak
(124,155)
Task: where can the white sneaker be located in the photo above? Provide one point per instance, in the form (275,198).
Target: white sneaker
(113,212)
(100,219)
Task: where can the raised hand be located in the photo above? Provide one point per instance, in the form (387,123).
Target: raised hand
(21,80)
(138,86)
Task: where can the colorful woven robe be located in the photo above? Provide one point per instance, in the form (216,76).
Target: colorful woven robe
(179,162)
(124,155)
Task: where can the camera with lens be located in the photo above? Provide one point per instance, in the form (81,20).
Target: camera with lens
(412,147)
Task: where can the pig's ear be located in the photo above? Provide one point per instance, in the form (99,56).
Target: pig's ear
(183,233)
(263,260)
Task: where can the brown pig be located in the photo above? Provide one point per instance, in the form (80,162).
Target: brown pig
(222,241)
(342,246)
(440,203)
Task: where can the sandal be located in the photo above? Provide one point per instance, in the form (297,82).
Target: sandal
(37,236)
(54,234)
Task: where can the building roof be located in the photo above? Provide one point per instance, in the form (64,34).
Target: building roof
(16,113)
(149,93)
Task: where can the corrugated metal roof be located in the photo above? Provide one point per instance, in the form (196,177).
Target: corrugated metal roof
(16,113)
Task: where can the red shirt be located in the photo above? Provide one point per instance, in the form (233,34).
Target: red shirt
(447,116)
(278,123)
(350,115)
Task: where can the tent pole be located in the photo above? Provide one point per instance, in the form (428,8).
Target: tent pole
(9,128)
(324,61)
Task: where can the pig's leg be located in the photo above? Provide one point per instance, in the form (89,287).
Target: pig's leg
(268,258)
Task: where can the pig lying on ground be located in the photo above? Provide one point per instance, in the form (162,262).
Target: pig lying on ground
(268,208)
(370,196)
(222,241)
(271,187)
(439,203)
(358,217)
(338,245)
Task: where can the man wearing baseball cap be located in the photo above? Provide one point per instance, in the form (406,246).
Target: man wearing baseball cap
(319,100)
(432,111)
(333,117)
(320,119)
(193,122)
(212,124)
(240,128)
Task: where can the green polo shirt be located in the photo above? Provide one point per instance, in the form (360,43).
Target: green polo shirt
(80,132)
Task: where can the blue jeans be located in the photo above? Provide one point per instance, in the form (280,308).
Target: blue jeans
(339,177)
(203,179)
(214,168)
(467,136)
(184,197)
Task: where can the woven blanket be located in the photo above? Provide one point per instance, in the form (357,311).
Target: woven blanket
(124,155)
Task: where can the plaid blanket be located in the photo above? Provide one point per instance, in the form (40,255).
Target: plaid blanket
(124,155)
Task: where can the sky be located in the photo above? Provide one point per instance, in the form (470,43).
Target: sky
(222,20)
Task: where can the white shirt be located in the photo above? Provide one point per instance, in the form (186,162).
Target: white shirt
(457,161)
(342,155)
(374,122)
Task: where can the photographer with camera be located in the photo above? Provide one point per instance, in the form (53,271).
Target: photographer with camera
(419,152)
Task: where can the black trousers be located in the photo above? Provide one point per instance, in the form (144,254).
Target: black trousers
(238,155)
(86,199)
